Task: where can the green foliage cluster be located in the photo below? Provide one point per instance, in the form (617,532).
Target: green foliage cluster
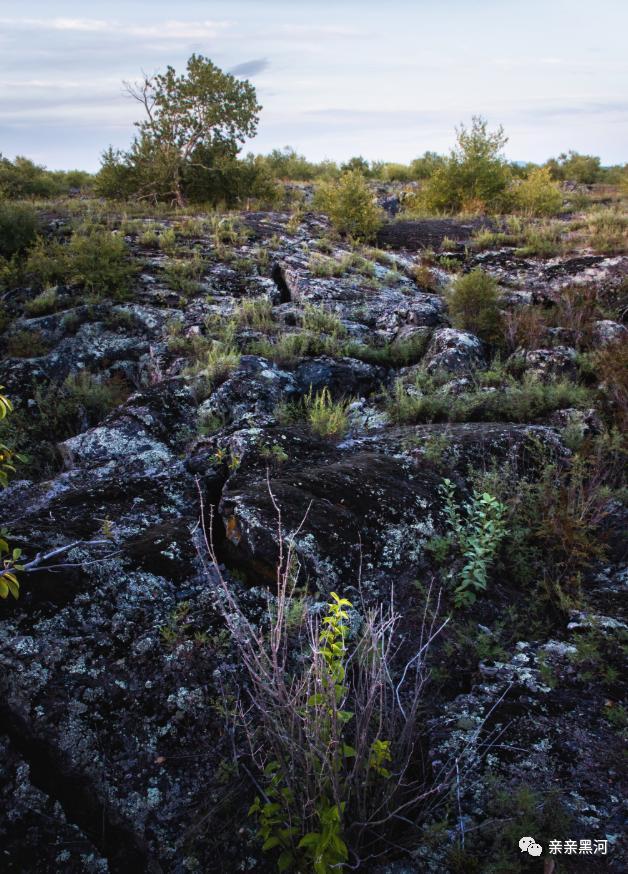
(475,175)
(326,417)
(21,178)
(256,314)
(525,401)
(474,305)
(9,583)
(18,228)
(96,259)
(476,530)
(184,274)
(318,320)
(574,167)
(188,143)
(350,205)
(537,194)
(79,402)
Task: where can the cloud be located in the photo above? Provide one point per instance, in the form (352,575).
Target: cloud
(173,29)
(250,68)
(83,25)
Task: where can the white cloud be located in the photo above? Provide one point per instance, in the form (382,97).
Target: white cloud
(83,25)
(173,29)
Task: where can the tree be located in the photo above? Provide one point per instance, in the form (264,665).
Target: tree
(574,167)
(474,176)
(189,117)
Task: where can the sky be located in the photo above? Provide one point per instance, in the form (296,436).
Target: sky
(386,80)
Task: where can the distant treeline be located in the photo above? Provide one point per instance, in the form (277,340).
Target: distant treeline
(251,175)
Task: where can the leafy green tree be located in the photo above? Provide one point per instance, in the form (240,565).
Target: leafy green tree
(192,120)
(475,175)
(574,167)
(426,165)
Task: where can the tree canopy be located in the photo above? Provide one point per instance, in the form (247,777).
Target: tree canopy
(194,120)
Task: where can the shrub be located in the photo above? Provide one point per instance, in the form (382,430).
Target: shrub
(45,263)
(538,194)
(611,366)
(255,314)
(575,167)
(99,261)
(474,305)
(326,268)
(218,362)
(26,344)
(96,259)
(526,402)
(326,417)
(288,348)
(184,274)
(18,228)
(329,725)
(524,327)
(475,175)
(44,303)
(608,230)
(319,320)
(81,401)
(350,206)
(9,583)
(542,241)
(10,273)
(22,178)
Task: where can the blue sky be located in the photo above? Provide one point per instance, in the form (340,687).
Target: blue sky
(387,80)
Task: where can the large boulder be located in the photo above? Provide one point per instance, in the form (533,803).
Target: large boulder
(454,351)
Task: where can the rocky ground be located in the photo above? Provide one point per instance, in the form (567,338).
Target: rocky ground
(115,755)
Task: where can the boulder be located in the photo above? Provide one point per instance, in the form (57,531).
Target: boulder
(454,351)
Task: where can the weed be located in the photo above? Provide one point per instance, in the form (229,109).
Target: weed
(255,314)
(477,535)
(326,417)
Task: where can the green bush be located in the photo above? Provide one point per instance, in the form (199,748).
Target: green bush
(18,228)
(97,260)
(474,177)
(474,305)
(320,320)
(538,194)
(23,178)
(26,344)
(185,274)
(350,206)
